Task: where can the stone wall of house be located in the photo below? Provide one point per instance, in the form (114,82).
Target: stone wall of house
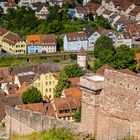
(3,133)
(119,113)
(25,122)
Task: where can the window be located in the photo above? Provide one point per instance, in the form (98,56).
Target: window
(46,77)
(46,90)
(46,83)
(17,46)
(50,89)
(22,46)
(50,83)
(50,96)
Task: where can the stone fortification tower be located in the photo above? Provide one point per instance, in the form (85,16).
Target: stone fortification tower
(91,88)
(81,58)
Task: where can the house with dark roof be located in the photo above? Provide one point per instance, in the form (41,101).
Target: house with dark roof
(43,77)
(135,13)
(42,11)
(12,42)
(65,108)
(10,101)
(83,12)
(76,40)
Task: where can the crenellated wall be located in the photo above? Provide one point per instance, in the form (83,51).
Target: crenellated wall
(119,106)
(25,122)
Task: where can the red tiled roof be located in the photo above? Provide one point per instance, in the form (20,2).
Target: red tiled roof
(45,108)
(101,70)
(34,107)
(135,11)
(11,38)
(81,52)
(89,8)
(126,35)
(66,104)
(41,39)
(75,80)
(10,3)
(3,31)
(137,56)
(12,88)
(107,12)
(76,36)
(73,92)
(127,71)
(133,27)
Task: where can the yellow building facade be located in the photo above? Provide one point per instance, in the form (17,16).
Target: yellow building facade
(46,84)
(18,48)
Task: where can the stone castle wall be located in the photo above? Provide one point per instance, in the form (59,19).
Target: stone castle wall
(110,114)
(25,122)
(119,113)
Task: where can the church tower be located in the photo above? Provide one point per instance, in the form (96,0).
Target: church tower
(81,58)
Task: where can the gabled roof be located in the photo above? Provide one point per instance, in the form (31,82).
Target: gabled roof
(10,3)
(42,68)
(126,35)
(66,104)
(41,39)
(45,108)
(133,28)
(26,78)
(73,92)
(101,70)
(39,7)
(75,36)
(3,31)
(135,11)
(5,76)
(107,12)
(11,38)
(11,101)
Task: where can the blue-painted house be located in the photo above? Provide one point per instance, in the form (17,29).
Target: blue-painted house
(33,44)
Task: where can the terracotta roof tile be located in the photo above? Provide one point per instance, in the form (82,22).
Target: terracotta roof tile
(77,36)
(66,106)
(137,56)
(75,80)
(127,71)
(101,70)
(3,31)
(135,11)
(45,108)
(11,38)
(12,88)
(73,92)
(81,52)
(41,39)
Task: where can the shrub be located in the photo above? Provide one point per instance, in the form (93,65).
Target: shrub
(32,95)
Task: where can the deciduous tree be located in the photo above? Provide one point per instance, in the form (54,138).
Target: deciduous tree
(31,95)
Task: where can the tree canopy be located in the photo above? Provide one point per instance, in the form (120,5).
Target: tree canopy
(73,71)
(67,72)
(31,95)
(120,58)
(123,58)
(103,47)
